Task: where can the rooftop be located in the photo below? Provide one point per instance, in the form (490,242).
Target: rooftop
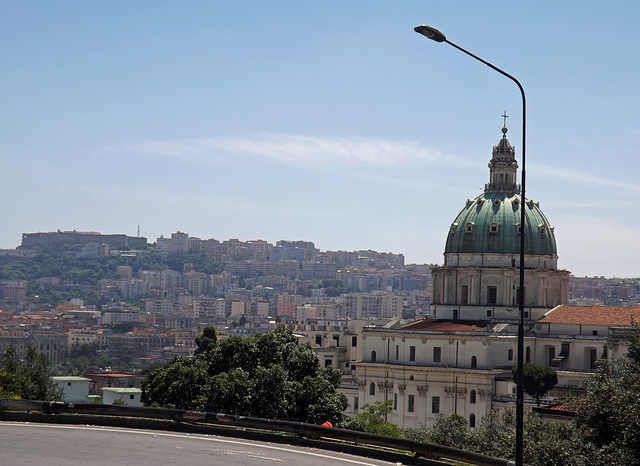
(594,315)
(441,325)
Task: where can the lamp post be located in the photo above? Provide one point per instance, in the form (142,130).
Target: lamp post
(435,35)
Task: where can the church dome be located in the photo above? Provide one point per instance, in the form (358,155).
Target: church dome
(490,223)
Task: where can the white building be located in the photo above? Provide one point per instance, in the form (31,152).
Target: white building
(74,389)
(461,361)
(129,396)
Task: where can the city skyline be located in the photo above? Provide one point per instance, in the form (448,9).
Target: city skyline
(331,123)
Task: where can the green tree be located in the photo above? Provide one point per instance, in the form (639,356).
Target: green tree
(608,413)
(373,419)
(451,431)
(207,340)
(29,379)
(537,380)
(178,384)
(546,443)
(268,375)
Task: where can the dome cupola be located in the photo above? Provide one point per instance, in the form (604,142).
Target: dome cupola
(490,223)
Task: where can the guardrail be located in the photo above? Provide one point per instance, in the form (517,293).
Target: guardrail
(311,431)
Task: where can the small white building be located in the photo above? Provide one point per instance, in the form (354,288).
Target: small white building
(75,389)
(130,396)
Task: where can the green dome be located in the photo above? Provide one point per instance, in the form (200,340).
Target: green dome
(490,224)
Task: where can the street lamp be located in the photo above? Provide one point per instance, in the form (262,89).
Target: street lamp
(435,35)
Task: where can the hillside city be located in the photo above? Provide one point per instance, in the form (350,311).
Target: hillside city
(150,301)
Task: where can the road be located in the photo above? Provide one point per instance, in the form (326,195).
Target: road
(29,444)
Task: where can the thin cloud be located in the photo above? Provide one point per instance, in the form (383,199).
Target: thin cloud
(301,150)
(588,179)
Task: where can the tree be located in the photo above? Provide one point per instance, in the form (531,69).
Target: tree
(207,340)
(537,380)
(268,375)
(29,379)
(451,431)
(608,413)
(372,419)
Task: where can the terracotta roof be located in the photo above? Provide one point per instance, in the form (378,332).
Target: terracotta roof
(562,407)
(595,315)
(445,325)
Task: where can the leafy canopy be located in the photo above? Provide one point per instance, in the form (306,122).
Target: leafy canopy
(29,379)
(537,380)
(268,375)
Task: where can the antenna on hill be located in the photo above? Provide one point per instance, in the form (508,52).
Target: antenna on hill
(138,230)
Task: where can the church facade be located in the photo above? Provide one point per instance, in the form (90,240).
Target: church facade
(460,361)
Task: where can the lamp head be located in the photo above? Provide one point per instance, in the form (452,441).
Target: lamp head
(431,33)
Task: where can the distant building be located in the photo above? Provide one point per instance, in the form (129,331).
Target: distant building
(59,240)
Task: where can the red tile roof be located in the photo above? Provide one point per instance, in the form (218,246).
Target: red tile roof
(594,315)
(562,407)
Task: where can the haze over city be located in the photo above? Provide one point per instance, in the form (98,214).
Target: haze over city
(331,122)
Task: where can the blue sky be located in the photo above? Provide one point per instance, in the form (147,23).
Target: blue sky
(330,121)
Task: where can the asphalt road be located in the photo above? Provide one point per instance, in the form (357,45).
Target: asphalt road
(29,444)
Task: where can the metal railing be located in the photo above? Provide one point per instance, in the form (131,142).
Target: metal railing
(64,411)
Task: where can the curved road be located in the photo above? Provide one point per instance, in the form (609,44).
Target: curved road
(30,444)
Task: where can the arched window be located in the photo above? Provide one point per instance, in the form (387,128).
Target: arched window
(474,362)
(372,389)
(373,356)
(472,420)
(472,397)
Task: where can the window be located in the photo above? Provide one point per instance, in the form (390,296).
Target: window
(493,227)
(131,397)
(327,362)
(518,294)
(552,354)
(492,295)
(469,227)
(68,384)
(528,355)
(395,401)
(356,403)
(488,312)
(318,339)
(437,354)
(474,362)
(397,352)
(412,353)
(594,332)
(472,420)
(435,405)
(373,356)
(510,355)
(372,389)
(592,358)
(464,294)
(354,342)
(472,397)
(410,404)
